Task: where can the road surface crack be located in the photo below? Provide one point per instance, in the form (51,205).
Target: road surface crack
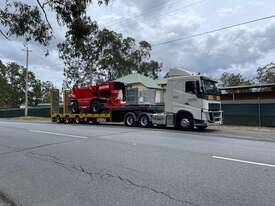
(103,174)
(17,150)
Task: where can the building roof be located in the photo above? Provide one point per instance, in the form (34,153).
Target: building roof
(138,78)
(161,81)
(247,86)
(178,72)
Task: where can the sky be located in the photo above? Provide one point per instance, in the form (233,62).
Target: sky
(239,50)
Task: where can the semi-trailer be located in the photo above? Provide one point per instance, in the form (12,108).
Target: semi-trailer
(190,101)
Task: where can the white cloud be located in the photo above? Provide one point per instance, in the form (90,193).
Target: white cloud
(228,11)
(241,49)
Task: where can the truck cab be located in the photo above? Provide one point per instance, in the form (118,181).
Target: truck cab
(190,101)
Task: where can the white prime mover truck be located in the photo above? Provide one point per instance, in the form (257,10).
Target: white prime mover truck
(189,101)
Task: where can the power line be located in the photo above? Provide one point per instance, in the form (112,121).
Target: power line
(170,12)
(213,31)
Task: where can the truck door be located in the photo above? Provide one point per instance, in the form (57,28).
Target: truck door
(191,99)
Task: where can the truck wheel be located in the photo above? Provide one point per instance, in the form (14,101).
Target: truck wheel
(96,107)
(130,119)
(74,107)
(144,121)
(185,122)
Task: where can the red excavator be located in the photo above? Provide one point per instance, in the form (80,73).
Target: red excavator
(97,98)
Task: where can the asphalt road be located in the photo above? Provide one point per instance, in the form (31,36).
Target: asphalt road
(43,164)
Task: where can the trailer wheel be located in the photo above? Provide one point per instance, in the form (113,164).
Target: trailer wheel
(94,121)
(144,120)
(95,107)
(67,120)
(85,120)
(130,119)
(77,120)
(185,122)
(58,119)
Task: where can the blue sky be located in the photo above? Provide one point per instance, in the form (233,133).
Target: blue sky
(240,50)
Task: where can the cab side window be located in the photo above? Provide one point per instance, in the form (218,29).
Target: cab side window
(190,87)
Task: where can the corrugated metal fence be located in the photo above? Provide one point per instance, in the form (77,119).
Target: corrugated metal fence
(252,114)
(18,112)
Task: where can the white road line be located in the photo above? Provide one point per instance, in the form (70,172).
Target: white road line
(59,134)
(243,161)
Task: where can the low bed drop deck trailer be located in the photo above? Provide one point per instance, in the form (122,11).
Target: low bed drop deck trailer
(190,101)
(129,114)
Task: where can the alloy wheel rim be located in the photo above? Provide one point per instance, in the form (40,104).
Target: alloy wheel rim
(144,121)
(185,123)
(130,120)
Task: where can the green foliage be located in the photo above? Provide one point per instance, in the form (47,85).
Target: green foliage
(266,74)
(230,79)
(12,86)
(45,90)
(4,87)
(104,55)
(25,21)
(31,22)
(90,54)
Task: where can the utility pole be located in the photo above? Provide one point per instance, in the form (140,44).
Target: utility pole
(27,79)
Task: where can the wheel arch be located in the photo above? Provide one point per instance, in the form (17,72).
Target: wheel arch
(185,112)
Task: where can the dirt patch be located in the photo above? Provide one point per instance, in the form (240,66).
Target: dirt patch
(253,133)
(5,200)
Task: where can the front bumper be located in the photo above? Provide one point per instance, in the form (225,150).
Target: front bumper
(213,117)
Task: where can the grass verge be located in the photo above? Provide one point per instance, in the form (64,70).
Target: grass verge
(31,118)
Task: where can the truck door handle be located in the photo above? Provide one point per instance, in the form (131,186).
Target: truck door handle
(186,103)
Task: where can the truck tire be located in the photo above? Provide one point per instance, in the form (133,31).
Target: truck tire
(94,121)
(58,119)
(144,120)
(185,122)
(130,119)
(77,120)
(95,107)
(85,120)
(67,120)
(74,107)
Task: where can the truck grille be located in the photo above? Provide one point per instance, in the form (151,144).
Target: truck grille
(214,107)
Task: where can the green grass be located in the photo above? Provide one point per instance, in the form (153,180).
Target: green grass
(31,118)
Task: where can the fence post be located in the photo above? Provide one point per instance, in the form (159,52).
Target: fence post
(259,112)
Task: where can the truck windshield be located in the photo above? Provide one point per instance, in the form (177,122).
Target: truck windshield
(210,87)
